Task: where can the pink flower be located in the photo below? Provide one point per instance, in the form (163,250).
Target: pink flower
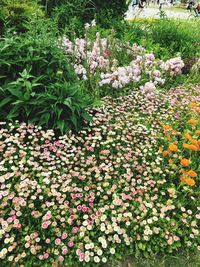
(64,251)
(57,241)
(46,255)
(70,244)
(79,207)
(84,209)
(60,258)
(45,225)
(64,235)
(75,229)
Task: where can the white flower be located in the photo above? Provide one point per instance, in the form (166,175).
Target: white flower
(112,251)
(99,252)
(87,246)
(96,259)
(104,260)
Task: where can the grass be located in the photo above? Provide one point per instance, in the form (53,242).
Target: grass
(181,260)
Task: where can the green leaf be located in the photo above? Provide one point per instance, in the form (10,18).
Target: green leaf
(26,96)
(44,119)
(87,116)
(16,92)
(61,125)
(5,101)
(14,112)
(74,121)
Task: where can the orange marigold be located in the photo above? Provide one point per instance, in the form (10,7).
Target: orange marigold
(193,104)
(194,142)
(190,181)
(169,139)
(169,152)
(165,153)
(173,147)
(192,173)
(186,145)
(197,132)
(187,136)
(167,127)
(182,179)
(185,162)
(192,121)
(193,147)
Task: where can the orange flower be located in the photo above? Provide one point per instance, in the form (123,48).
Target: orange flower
(167,127)
(182,179)
(173,147)
(160,149)
(170,161)
(193,147)
(197,132)
(186,145)
(185,162)
(194,104)
(169,152)
(169,139)
(190,181)
(194,142)
(197,109)
(187,136)
(174,132)
(192,121)
(192,173)
(165,153)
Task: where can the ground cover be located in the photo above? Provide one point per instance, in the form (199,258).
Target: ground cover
(129,183)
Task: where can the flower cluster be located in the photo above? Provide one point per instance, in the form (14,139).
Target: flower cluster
(109,189)
(173,66)
(100,60)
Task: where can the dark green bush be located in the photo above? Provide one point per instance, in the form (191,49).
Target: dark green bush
(37,84)
(78,12)
(16,13)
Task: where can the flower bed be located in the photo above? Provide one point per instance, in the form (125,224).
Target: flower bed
(108,65)
(128,184)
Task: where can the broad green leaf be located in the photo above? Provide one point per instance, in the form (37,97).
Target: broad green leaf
(5,101)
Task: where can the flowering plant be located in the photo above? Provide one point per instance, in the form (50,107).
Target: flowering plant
(107,191)
(100,62)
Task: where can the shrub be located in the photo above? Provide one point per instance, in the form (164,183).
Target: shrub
(37,83)
(16,13)
(80,12)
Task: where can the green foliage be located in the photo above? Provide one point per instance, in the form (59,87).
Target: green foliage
(16,13)
(109,11)
(69,15)
(78,12)
(179,36)
(37,83)
(166,38)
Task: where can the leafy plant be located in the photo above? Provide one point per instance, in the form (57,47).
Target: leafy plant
(16,13)
(37,82)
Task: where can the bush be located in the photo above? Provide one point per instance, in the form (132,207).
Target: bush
(77,12)
(37,83)
(16,13)
(165,37)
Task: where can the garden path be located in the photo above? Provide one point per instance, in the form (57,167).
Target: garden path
(153,12)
